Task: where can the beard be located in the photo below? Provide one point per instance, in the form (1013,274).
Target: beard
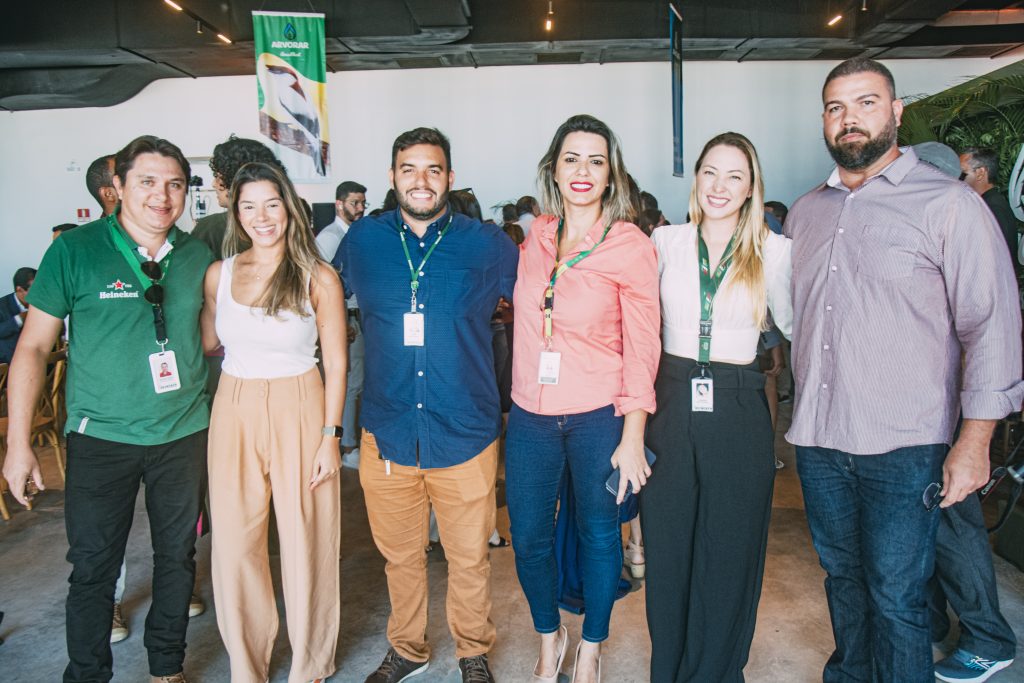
(856,156)
(422,214)
(349,216)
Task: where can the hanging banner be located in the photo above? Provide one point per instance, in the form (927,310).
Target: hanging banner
(291,75)
(675,34)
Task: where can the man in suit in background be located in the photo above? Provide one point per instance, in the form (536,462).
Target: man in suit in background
(12,312)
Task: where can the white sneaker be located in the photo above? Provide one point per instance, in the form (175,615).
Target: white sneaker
(196,606)
(351,459)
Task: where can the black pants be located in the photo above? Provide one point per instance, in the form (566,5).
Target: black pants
(705,514)
(99,503)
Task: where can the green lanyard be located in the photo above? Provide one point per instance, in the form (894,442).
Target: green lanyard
(132,257)
(556,272)
(414,273)
(709,285)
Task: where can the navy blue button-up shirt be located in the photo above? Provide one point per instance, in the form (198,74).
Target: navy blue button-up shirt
(434,405)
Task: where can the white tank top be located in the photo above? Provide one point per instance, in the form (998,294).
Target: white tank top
(258,346)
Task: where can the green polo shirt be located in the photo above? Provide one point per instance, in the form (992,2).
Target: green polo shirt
(110,392)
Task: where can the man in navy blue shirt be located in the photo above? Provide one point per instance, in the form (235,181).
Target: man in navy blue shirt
(428,281)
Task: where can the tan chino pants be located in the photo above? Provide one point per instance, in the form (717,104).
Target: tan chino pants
(398,505)
(264,435)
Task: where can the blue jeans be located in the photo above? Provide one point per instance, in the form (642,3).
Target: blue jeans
(538,448)
(964,578)
(876,541)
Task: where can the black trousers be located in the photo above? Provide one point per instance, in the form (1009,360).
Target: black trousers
(103,480)
(705,514)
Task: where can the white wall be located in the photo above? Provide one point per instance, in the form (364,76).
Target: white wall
(500,121)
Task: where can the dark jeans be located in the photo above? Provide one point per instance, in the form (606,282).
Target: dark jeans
(876,541)
(99,503)
(965,578)
(538,448)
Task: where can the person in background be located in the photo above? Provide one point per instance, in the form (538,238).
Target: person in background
(586,352)
(350,206)
(964,577)
(527,210)
(979,168)
(99,180)
(227,158)
(13,309)
(274,430)
(706,509)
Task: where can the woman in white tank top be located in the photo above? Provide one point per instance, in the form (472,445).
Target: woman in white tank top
(274,430)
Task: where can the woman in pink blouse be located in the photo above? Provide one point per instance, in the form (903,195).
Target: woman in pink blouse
(587,343)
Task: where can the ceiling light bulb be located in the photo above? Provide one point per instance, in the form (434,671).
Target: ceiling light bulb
(549,22)
(864,6)
(199,27)
(224,38)
(174,5)
(835,20)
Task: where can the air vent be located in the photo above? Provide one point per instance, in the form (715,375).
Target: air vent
(420,62)
(980,50)
(559,57)
(838,54)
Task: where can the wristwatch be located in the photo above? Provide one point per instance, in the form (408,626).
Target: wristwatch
(332,430)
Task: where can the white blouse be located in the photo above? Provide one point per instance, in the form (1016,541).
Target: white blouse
(733,333)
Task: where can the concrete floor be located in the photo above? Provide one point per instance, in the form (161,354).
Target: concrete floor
(792,641)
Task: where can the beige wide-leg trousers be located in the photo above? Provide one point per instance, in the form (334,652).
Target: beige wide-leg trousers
(264,435)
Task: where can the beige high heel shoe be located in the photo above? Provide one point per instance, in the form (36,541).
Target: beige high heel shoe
(576,662)
(635,560)
(558,665)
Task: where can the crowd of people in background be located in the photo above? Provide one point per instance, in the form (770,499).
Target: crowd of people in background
(627,370)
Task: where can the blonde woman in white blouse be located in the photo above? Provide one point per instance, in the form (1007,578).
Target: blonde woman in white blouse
(705,513)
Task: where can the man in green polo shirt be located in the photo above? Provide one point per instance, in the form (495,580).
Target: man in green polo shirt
(132,285)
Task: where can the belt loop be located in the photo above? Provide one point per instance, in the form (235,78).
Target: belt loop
(236,390)
(302,379)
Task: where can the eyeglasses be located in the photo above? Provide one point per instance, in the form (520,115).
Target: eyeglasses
(932,495)
(154,294)
(963,174)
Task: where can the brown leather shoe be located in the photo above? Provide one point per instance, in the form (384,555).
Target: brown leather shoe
(176,678)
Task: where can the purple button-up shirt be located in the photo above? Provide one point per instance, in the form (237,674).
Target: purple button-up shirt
(892,282)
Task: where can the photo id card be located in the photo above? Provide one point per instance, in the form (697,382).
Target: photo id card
(164,369)
(413,329)
(702,396)
(550,362)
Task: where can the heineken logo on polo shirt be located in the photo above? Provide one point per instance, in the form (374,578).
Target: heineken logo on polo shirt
(118,290)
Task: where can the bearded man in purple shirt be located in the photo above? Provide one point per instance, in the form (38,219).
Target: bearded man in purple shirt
(899,272)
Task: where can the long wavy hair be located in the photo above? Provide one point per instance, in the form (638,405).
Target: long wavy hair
(615,202)
(747,269)
(288,288)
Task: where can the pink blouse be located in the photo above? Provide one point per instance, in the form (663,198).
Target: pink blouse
(606,322)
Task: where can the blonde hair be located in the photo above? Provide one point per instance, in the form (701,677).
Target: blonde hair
(747,267)
(615,203)
(288,288)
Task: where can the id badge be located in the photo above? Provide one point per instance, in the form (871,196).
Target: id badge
(702,394)
(413,326)
(550,363)
(164,369)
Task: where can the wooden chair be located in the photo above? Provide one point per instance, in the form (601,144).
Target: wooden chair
(46,422)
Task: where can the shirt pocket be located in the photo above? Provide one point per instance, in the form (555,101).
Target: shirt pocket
(888,253)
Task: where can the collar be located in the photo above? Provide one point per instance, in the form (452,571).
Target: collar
(549,232)
(432,229)
(165,248)
(17,302)
(340,223)
(894,172)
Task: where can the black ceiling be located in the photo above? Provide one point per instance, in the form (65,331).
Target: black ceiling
(76,53)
